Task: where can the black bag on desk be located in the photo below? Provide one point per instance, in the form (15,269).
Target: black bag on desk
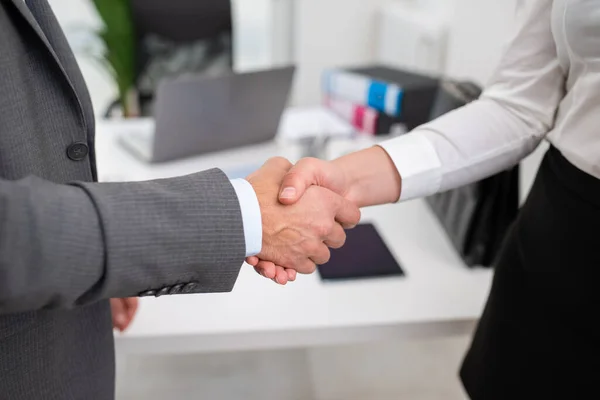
(475,217)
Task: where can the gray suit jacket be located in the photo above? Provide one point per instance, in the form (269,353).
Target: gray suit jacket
(68,244)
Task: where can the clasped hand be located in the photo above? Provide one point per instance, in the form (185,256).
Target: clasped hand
(305,209)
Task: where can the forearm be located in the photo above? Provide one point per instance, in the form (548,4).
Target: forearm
(371,176)
(67,245)
(170,232)
(52,245)
(461,147)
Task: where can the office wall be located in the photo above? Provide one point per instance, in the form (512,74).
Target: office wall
(338,32)
(343,32)
(330,33)
(479,30)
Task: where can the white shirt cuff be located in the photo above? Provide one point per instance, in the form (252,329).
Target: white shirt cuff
(417,163)
(251,216)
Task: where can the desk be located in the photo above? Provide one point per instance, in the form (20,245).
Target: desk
(116,164)
(438,297)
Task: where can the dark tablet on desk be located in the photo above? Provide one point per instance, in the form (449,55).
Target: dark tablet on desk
(365,255)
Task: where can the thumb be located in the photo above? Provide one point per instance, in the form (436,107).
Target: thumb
(308,172)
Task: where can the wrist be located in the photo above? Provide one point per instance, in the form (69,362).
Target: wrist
(251,215)
(371,177)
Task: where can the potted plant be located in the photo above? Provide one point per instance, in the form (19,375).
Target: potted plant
(116,52)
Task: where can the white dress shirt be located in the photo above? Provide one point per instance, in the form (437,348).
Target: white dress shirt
(546,86)
(251,216)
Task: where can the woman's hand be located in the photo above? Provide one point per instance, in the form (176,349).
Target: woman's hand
(367,177)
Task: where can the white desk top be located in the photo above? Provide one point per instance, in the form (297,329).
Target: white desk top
(438,296)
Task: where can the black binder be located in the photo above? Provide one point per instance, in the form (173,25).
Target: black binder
(419,94)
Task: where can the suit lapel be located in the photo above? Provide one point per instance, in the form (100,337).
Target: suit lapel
(44,16)
(30,19)
(39,16)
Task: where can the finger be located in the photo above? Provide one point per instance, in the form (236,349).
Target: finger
(253,260)
(119,316)
(132,307)
(281,276)
(336,238)
(259,271)
(291,274)
(266,269)
(305,267)
(308,172)
(321,254)
(347,214)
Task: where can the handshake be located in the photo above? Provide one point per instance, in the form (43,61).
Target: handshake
(307,207)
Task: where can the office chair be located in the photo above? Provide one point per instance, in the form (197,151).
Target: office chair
(176,37)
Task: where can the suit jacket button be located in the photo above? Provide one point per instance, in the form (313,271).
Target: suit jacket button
(176,289)
(78,151)
(148,293)
(189,288)
(163,291)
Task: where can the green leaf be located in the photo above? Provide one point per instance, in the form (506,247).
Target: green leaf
(118,37)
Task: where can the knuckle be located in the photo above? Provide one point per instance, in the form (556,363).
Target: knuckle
(342,240)
(305,247)
(358,215)
(308,162)
(310,268)
(331,201)
(323,228)
(304,170)
(309,247)
(339,241)
(316,247)
(291,261)
(294,176)
(326,257)
(280,162)
(287,259)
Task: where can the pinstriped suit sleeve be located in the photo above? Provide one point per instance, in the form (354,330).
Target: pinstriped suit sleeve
(67,245)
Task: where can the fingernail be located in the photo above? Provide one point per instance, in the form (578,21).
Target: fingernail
(120,319)
(288,193)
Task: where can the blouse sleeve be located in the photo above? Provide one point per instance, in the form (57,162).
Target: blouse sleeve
(513,115)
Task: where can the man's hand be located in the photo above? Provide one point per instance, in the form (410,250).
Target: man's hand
(298,236)
(123,311)
(365,178)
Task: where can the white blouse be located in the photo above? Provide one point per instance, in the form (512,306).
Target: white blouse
(546,86)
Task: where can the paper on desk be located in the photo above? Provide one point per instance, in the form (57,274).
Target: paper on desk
(299,123)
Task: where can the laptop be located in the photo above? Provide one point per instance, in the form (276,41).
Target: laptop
(197,115)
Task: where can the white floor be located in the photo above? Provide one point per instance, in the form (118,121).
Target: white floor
(415,370)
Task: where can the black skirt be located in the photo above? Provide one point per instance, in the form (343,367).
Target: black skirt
(539,336)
